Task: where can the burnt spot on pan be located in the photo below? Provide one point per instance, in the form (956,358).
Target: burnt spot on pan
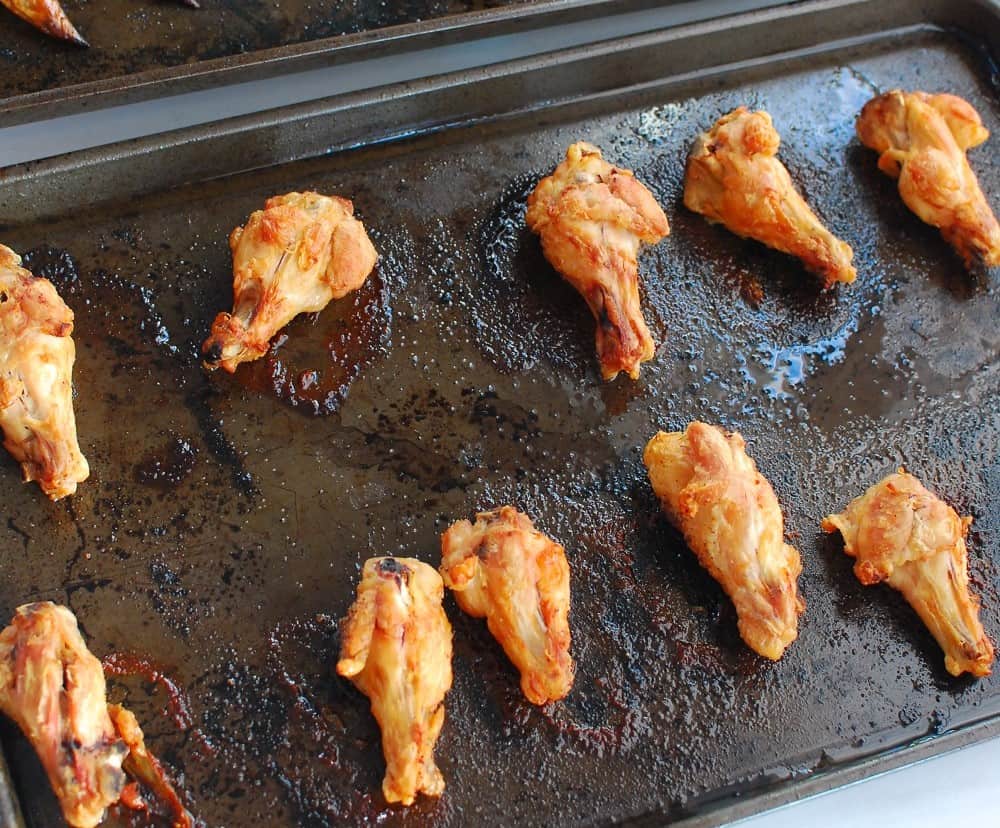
(56,265)
(168,466)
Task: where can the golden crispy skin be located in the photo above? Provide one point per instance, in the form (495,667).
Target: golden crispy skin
(294,256)
(504,570)
(36,389)
(396,648)
(142,765)
(900,533)
(53,688)
(592,219)
(47,16)
(734,177)
(921,140)
(713,493)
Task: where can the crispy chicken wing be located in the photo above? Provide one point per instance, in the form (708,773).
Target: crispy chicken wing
(294,256)
(47,16)
(734,178)
(36,391)
(53,688)
(713,493)
(921,140)
(592,219)
(899,532)
(503,569)
(396,648)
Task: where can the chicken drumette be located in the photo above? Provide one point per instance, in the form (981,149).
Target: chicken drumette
(396,648)
(592,219)
(503,569)
(53,688)
(899,532)
(734,178)
(730,518)
(294,256)
(921,140)
(36,386)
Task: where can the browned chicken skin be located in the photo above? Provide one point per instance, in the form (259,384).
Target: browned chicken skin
(921,140)
(47,16)
(294,256)
(36,385)
(900,533)
(396,648)
(592,219)
(713,493)
(734,177)
(502,569)
(53,688)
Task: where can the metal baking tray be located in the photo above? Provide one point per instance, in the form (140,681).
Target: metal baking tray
(141,49)
(222,531)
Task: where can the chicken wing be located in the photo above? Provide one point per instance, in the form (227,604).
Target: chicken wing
(396,648)
(294,256)
(592,219)
(734,178)
(502,569)
(713,493)
(36,391)
(921,140)
(47,16)
(899,532)
(53,688)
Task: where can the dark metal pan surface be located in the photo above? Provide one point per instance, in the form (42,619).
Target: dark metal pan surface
(130,36)
(145,48)
(223,529)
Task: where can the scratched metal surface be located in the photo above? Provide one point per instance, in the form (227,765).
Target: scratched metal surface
(223,528)
(131,36)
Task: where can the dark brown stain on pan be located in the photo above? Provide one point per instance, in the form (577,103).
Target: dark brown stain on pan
(232,561)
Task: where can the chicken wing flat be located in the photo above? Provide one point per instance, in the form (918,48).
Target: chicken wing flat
(592,219)
(47,16)
(294,256)
(728,513)
(53,688)
(921,140)
(36,387)
(734,178)
(396,648)
(504,570)
(901,533)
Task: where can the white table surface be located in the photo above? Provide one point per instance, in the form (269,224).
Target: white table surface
(956,789)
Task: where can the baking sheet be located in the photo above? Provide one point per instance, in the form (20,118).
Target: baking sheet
(223,529)
(141,49)
(131,36)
